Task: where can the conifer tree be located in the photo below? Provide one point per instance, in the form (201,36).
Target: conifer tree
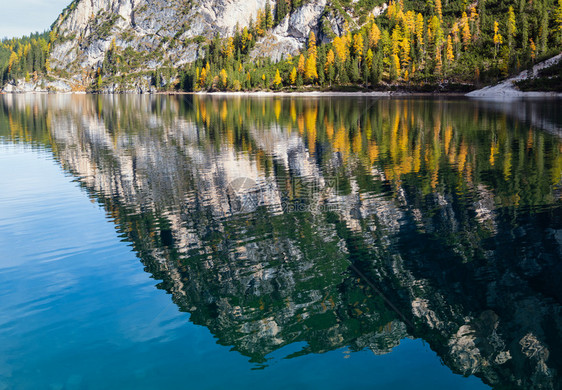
(419,30)
(375,35)
(268,16)
(281,10)
(498,39)
(465,29)
(312,44)
(301,67)
(450,54)
(438,9)
(223,78)
(311,74)
(293,76)
(369,58)
(358,46)
(558,21)
(277,80)
(330,59)
(533,48)
(511,27)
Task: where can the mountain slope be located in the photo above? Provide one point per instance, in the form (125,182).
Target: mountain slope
(159,33)
(141,45)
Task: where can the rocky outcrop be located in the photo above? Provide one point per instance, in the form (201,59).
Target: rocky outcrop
(153,34)
(157,32)
(292,33)
(507,88)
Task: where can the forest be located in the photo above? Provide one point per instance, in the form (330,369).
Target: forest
(25,57)
(415,45)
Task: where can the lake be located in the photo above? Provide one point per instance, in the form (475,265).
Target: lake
(208,242)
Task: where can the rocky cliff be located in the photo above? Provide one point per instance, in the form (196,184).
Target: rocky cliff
(151,34)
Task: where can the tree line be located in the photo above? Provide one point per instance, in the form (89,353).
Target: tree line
(25,57)
(413,43)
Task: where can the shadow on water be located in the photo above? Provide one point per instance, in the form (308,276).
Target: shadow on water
(333,222)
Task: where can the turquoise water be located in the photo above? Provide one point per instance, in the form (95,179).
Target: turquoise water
(122,267)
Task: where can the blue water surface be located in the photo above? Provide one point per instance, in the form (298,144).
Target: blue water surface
(78,311)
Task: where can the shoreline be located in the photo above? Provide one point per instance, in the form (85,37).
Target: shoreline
(322,94)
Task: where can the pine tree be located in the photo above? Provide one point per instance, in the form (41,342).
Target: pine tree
(558,21)
(419,30)
(395,68)
(395,39)
(524,32)
(281,10)
(354,71)
(377,69)
(268,16)
(544,31)
(330,59)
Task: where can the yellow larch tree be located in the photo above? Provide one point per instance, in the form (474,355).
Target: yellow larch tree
(358,45)
(450,54)
(311,73)
(498,39)
(375,35)
(405,51)
(228,48)
(465,30)
(277,80)
(340,48)
(511,26)
(533,48)
(224,78)
(438,9)
(293,76)
(301,67)
(12,60)
(312,44)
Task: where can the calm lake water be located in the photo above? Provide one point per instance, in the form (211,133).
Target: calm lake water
(152,242)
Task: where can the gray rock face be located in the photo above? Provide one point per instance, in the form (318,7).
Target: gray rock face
(165,32)
(152,34)
(289,36)
(163,28)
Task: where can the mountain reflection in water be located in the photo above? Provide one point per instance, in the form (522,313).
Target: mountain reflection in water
(334,222)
